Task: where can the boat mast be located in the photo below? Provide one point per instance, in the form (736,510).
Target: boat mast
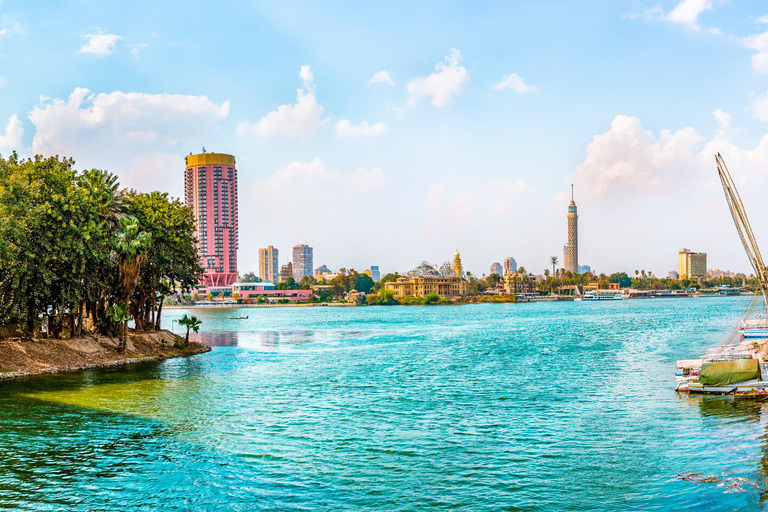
(742,226)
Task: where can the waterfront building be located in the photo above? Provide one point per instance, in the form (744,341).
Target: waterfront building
(510,265)
(375,274)
(519,283)
(583,269)
(210,190)
(719,274)
(269,268)
(286,271)
(692,264)
(419,286)
(302,262)
(321,271)
(496,269)
(571,250)
(268,291)
(457,270)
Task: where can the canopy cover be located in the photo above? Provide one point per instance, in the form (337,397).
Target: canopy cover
(722,373)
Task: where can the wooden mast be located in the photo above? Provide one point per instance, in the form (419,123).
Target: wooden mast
(739,215)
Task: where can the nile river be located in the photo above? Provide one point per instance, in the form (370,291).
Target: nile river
(550,406)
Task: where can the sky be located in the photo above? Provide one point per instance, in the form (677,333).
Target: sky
(395,132)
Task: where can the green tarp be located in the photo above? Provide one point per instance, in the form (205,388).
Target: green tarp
(722,373)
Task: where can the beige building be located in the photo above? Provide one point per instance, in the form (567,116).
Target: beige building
(269,268)
(517,283)
(692,264)
(286,271)
(420,286)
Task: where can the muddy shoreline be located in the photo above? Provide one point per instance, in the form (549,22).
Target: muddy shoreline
(22,358)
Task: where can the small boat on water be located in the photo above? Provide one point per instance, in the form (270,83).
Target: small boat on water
(739,365)
(603,295)
(238,318)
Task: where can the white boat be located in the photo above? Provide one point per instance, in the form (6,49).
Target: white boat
(603,295)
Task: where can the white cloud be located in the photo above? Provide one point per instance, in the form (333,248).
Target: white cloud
(513,82)
(99,44)
(382,76)
(687,12)
(345,128)
(117,130)
(762,19)
(13,132)
(137,48)
(442,85)
(722,118)
(300,119)
(2,81)
(759,106)
(629,160)
(9,27)
(759,43)
(505,195)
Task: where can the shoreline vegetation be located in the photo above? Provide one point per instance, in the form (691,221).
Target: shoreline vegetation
(21,357)
(81,257)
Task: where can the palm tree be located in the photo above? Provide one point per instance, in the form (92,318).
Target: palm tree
(130,245)
(190,322)
(553,261)
(636,273)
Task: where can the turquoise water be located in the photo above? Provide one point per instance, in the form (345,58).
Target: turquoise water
(555,406)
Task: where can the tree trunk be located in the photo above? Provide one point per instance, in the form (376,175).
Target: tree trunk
(186,339)
(159,312)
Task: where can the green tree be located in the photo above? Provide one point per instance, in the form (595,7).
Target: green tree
(190,322)
(364,283)
(130,244)
(553,261)
(250,277)
(431,298)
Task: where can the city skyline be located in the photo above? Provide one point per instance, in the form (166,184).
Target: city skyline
(480,126)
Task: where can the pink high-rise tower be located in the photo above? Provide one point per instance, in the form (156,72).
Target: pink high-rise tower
(210,189)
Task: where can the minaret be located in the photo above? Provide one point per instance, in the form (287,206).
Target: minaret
(572,261)
(457,264)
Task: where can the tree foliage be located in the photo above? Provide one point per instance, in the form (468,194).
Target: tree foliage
(74,244)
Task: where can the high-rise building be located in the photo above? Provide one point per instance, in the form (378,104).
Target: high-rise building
(571,251)
(510,265)
(210,189)
(457,264)
(286,271)
(375,274)
(269,268)
(692,264)
(302,262)
(496,268)
(321,271)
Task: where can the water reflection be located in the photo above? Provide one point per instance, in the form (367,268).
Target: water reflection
(279,340)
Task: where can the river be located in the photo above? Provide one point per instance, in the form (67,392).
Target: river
(547,406)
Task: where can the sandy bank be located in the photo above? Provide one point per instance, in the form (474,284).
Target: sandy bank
(19,358)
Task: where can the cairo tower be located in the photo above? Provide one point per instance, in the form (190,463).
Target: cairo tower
(572,249)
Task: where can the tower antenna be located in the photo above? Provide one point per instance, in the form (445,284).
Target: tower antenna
(571,191)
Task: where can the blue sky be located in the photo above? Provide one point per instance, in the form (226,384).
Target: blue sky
(470,141)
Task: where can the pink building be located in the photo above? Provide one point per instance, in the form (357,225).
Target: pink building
(268,291)
(210,186)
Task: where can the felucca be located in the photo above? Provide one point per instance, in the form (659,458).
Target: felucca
(738,365)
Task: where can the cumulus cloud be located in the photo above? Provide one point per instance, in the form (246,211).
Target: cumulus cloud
(759,43)
(109,130)
(137,48)
(13,132)
(300,119)
(628,159)
(759,106)
(722,118)
(345,128)
(687,12)
(762,19)
(442,85)
(382,76)
(99,44)
(513,82)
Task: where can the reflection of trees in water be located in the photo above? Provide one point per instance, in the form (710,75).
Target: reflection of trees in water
(216,339)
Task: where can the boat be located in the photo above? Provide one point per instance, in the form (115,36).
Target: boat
(603,295)
(738,365)
(238,318)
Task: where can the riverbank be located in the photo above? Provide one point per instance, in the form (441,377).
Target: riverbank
(21,358)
